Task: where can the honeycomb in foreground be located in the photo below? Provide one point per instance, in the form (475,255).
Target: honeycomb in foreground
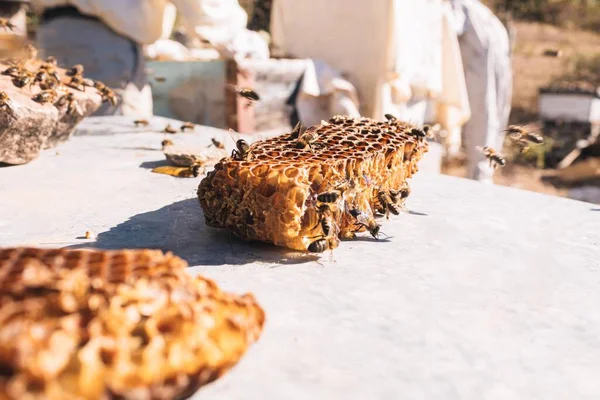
(271,195)
(127,324)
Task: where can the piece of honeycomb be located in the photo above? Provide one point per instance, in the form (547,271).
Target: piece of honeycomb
(126,324)
(271,193)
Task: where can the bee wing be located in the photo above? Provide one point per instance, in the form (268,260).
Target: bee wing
(234,135)
(363,218)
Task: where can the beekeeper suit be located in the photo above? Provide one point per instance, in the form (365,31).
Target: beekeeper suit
(107,38)
(485,50)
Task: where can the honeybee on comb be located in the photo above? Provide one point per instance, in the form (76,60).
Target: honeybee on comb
(75,70)
(72,106)
(307,139)
(387,204)
(46,96)
(242,148)
(493,157)
(297,131)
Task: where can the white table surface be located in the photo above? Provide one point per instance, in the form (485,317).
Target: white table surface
(481,292)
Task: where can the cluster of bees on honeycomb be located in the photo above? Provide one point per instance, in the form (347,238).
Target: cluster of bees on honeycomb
(45,75)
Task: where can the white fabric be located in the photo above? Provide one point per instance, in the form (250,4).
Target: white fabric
(221,22)
(391,50)
(485,53)
(324,93)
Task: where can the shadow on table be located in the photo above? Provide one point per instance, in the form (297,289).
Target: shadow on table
(153,164)
(180,228)
(594,209)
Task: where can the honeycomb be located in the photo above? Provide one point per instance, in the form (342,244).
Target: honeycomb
(272,194)
(126,324)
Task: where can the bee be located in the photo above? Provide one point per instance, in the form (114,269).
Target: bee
(217,144)
(69,100)
(46,96)
(99,86)
(522,137)
(364,220)
(193,171)
(75,70)
(109,95)
(298,130)
(6,24)
(319,245)
(246,93)
(326,219)
(494,158)
(160,78)
(400,195)
(76,82)
(142,122)
(13,71)
(389,117)
(387,204)
(418,132)
(169,129)
(51,61)
(166,143)
(22,80)
(307,139)
(89,235)
(328,197)
(241,151)
(187,125)
(5,101)
(31,52)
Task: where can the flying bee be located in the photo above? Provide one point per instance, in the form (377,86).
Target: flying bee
(46,96)
(5,101)
(389,117)
(72,106)
(245,92)
(75,70)
(328,197)
(142,122)
(76,82)
(298,130)
(387,204)
(307,139)
(493,157)
(522,137)
(166,143)
(364,220)
(169,129)
(187,125)
(217,144)
(6,24)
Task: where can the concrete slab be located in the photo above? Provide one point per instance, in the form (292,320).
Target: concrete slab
(480,292)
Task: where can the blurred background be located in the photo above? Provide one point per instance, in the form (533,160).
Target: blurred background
(554,58)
